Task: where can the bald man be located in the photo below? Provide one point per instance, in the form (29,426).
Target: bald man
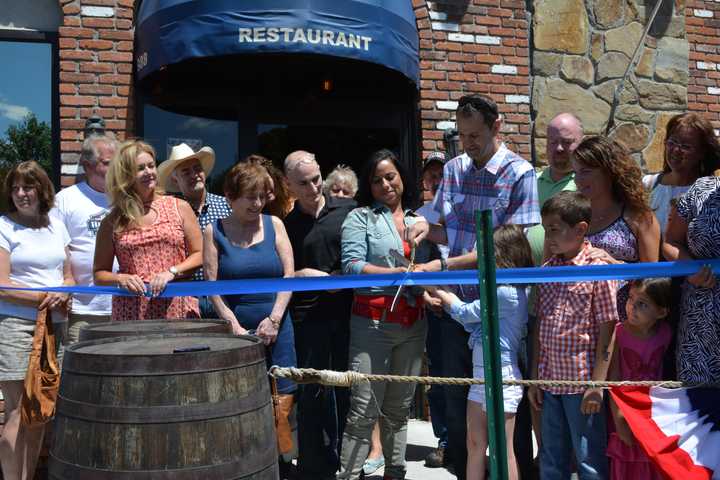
(321,318)
(564,134)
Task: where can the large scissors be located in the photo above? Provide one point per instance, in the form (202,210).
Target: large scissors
(400,258)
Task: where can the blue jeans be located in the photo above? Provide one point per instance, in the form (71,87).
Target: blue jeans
(436,395)
(566,429)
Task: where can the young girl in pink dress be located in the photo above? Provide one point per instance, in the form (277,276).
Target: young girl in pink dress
(640,344)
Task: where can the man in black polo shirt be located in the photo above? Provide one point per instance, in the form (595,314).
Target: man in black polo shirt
(321,318)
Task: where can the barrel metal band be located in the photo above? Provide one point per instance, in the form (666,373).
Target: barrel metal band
(262,466)
(158,414)
(157,365)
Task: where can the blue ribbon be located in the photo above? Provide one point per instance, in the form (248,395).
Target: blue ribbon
(522,276)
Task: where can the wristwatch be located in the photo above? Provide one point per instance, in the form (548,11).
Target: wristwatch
(175,272)
(443,264)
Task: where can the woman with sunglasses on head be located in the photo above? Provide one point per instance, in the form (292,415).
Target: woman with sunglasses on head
(691,151)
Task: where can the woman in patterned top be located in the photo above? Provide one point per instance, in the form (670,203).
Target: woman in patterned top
(155,239)
(623,228)
(691,151)
(693,232)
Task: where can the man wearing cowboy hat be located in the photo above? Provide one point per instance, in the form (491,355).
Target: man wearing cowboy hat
(186,172)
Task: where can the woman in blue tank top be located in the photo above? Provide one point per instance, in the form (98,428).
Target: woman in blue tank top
(249,244)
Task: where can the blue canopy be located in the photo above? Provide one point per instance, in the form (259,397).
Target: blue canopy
(378,31)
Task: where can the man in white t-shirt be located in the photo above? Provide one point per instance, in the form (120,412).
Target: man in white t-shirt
(81,208)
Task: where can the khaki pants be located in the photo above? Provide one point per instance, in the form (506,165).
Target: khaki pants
(77,321)
(381,348)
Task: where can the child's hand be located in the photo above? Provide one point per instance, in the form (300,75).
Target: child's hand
(623,431)
(432,302)
(535,395)
(592,401)
(704,278)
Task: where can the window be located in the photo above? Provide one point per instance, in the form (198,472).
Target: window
(163,130)
(27,104)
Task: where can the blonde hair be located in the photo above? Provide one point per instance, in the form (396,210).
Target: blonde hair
(126,204)
(342,174)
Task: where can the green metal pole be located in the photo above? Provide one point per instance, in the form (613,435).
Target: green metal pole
(491,345)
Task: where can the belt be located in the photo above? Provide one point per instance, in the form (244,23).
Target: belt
(377,307)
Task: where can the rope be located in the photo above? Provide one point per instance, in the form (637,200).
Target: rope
(347,379)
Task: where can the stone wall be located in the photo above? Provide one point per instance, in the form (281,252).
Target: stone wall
(577,48)
(581,51)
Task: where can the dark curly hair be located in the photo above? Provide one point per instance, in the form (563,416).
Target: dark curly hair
(616,162)
(710,159)
(30,173)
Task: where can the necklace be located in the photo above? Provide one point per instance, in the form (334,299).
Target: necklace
(610,212)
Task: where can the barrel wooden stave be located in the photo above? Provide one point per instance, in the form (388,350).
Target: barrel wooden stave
(137,421)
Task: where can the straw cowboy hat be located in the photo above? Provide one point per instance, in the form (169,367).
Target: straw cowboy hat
(178,155)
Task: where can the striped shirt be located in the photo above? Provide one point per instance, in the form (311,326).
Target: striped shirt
(570,315)
(506,185)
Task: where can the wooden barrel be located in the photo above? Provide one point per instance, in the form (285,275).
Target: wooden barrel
(148,327)
(165,407)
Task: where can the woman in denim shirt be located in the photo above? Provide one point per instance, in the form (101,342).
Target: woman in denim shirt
(381,341)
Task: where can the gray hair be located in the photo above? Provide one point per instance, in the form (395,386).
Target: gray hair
(297,158)
(341,174)
(89,152)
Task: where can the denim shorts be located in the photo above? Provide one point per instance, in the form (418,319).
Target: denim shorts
(512,394)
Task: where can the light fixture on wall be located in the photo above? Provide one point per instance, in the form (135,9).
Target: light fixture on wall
(327,85)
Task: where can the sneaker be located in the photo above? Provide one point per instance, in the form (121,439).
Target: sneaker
(372,465)
(436,458)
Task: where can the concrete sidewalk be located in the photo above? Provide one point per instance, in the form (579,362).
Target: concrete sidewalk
(421,441)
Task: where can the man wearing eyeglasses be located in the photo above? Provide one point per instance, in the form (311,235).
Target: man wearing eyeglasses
(487,176)
(564,134)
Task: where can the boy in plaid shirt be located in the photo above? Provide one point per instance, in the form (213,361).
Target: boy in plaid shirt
(575,326)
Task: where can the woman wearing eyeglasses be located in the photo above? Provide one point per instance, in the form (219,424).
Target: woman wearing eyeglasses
(691,152)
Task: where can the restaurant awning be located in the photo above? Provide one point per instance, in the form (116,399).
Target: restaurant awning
(378,31)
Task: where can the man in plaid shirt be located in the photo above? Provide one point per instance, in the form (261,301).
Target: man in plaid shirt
(487,176)
(185,174)
(575,326)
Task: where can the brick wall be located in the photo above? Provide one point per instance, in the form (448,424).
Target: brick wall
(465,47)
(478,46)
(96,55)
(702,23)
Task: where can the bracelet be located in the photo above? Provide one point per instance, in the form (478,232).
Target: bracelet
(276,323)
